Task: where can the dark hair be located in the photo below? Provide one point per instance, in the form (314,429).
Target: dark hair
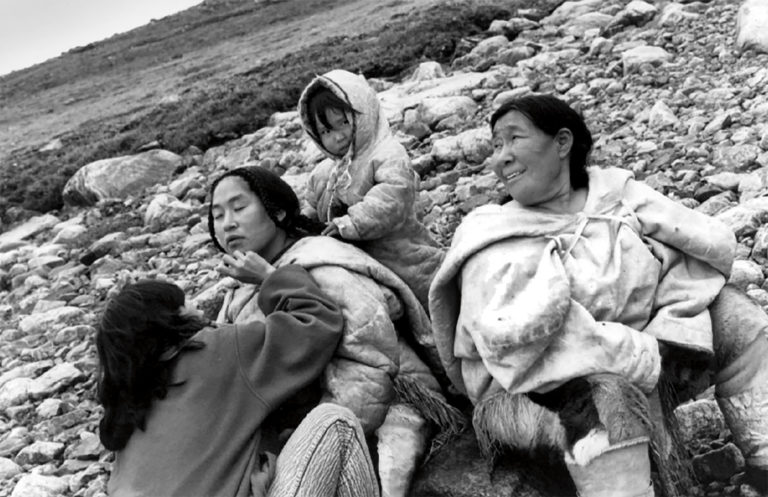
(319,101)
(550,115)
(138,326)
(276,195)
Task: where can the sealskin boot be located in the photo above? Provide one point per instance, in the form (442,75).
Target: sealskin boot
(620,470)
(742,394)
(402,443)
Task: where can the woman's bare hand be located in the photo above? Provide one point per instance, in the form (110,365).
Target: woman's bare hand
(331,230)
(248,267)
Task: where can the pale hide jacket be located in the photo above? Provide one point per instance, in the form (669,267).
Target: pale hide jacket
(526,299)
(361,375)
(375,186)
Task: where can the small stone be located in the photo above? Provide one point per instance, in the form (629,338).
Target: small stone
(86,476)
(745,218)
(165,211)
(760,248)
(34,485)
(725,180)
(40,453)
(473,145)
(719,464)
(57,318)
(759,295)
(427,71)
(13,441)
(26,370)
(87,448)
(699,419)
(744,273)
(50,408)
(55,379)
(662,116)
(736,158)
(636,58)
(646,147)
(8,469)
(15,392)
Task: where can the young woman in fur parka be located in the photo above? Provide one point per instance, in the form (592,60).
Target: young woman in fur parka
(254,215)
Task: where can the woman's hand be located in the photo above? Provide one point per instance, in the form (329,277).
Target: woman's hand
(248,267)
(331,230)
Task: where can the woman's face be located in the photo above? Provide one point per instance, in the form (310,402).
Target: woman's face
(240,220)
(532,166)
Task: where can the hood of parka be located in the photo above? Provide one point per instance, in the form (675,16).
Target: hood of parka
(370,126)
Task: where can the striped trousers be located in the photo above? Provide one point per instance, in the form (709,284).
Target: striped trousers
(326,456)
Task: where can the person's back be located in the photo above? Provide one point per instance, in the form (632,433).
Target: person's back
(191,444)
(184,401)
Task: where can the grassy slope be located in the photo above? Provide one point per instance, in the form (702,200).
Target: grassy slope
(204,75)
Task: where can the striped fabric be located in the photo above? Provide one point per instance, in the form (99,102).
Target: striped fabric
(326,456)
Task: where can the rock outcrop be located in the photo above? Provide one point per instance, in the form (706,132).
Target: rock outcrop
(119,177)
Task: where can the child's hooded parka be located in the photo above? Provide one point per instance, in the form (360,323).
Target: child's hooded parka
(369,192)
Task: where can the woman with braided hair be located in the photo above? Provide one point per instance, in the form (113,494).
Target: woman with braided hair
(254,218)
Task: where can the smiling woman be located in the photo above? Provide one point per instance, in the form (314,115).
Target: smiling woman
(589,293)
(540,153)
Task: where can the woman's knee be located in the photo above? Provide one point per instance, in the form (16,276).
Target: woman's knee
(328,415)
(736,322)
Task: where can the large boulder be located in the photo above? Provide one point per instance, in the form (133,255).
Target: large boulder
(119,177)
(752,25)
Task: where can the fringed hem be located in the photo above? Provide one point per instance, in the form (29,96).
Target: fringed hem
(448,419)
(675,473)
(514,421)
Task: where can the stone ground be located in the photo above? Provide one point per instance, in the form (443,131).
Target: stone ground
(664,88)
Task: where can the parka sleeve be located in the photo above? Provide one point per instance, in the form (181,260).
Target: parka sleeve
(694,234)
(360,375)
(295,342)
(386,206)
(518,317)
(696,253)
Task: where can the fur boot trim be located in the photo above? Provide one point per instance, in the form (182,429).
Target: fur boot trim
(620,470)
(513,420)
(433,406)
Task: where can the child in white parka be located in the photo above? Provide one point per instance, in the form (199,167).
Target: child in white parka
(366,191)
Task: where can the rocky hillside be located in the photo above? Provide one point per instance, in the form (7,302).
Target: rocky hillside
(666,88)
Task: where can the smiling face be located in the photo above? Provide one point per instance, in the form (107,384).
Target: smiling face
(532,165)
(337,136)
(240,220)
